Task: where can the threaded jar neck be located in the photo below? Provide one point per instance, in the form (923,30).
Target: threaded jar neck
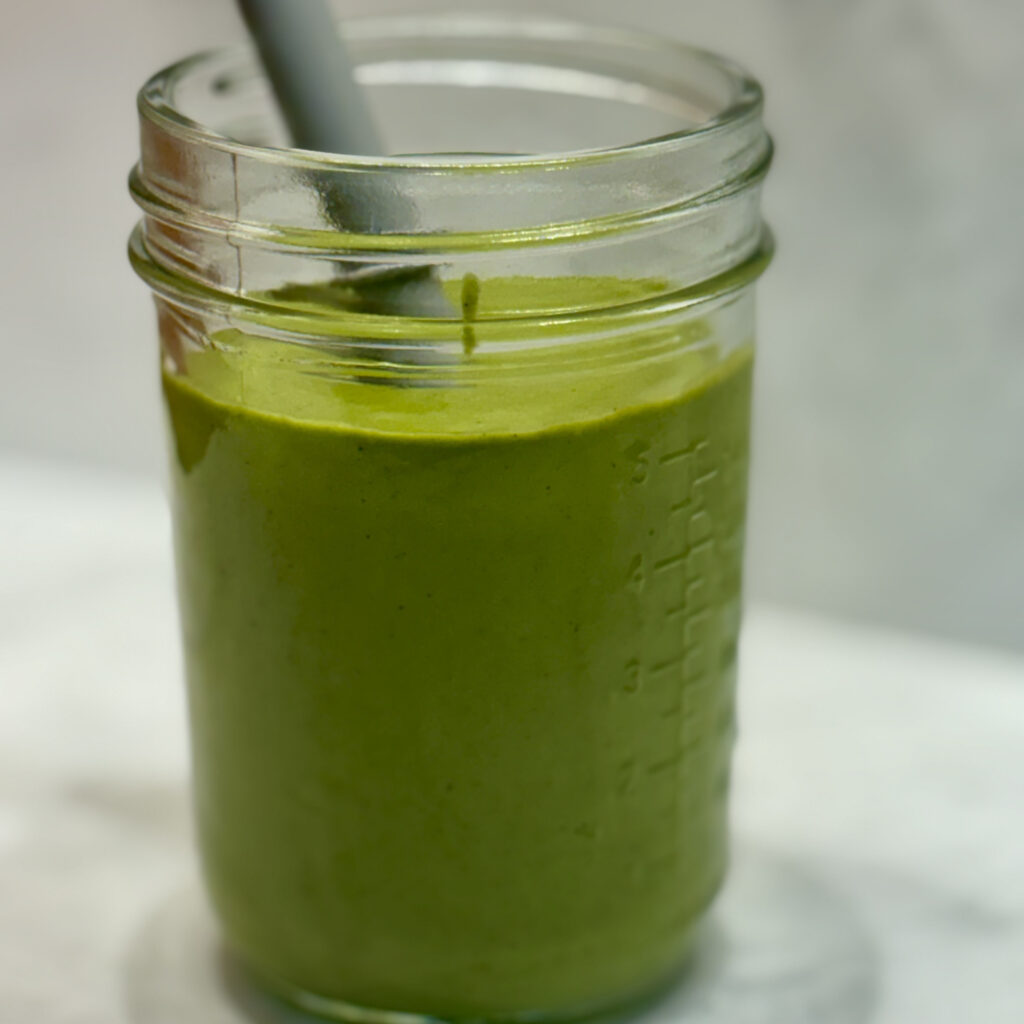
(555,149)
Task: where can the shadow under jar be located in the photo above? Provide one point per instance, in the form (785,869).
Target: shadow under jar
(460,595)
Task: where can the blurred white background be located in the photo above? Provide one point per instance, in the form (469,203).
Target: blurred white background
(889,478)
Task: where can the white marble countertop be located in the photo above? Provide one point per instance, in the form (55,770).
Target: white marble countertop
(888,768)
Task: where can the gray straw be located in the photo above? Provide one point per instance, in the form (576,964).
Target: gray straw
(325,110)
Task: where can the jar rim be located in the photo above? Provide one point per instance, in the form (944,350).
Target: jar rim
(226,221)
(156,99)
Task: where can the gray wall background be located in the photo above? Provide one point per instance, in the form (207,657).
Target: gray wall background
(889,478)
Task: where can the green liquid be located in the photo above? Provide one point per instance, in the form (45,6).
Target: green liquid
(461,671)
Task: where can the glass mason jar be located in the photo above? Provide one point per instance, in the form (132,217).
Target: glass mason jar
(459,451)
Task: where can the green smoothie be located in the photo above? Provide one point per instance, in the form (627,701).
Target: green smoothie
(461,666)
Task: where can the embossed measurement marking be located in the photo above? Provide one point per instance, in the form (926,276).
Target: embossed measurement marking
(672,562)
(665,765)
(675,667)
(695,450)
(677,456)
(667,664)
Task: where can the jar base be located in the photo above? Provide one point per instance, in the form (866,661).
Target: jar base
(777,938)
(254,990)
